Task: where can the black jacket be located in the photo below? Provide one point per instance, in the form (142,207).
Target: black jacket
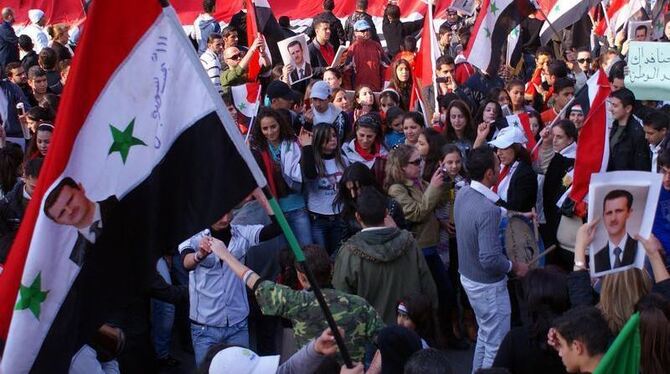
(631,151)
(522,191)
(12,207)
(395,32)
(9,48)
(239,22)
(316,59)
(62,51)
(29,60)
(553,189)
(337,36)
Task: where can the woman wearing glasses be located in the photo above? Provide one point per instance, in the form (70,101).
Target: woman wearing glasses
(367,146)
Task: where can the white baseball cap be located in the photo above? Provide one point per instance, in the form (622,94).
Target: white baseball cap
(240,360)
(35,15)
(508,136)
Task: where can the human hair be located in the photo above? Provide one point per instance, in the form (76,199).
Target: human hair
(657,120)
(546,292)
(337,72)
(514,83)
(59,30)
(538,117)
(11,66)
(428,361)
(318,21)
(616,72)
(468,131)
(371,206)
(392,11)
(40,114)
(362,5)
(432,160)
(568,128)
(375,104)
(521,153)
(370,121)
(450,148)
(329,5)
(583,49)
(408,44)
(391,115)
(258,140)
(444,28)
(293,44)
(654,333)
(416,117)
(321,133)
(543,51)
(444,101)
(398,158)
(641,27)
(615,194)
(319,263)
(559,69)
(563,83)
(25,43)
(664,159)
(228,31)
(619,293)
(47,58)
(360,176)
(395,81)
(36,72)
(53,195)
(479,118)
(31,149)
(213,37)
(444,60)
(390,93)
(419,309)
(587,325)
(208,5)
(335,91)
(479,161)
(64,64)
(11,157)
(32,167)
(50,102)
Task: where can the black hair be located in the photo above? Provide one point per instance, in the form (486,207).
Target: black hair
(616,71)
(285,21)
(336,71)
(371,206)
(435,143)
(317,21)
(642,27)
(657,120)
(227,31)
(25,43)
(562,83)
(664,159)
(362,4)
(48,59)
(583,49)
(626,96)
(360,175)
(213,36)
(40,114)
(391,114)
(11,157)
(53,195)
(586,324)
(444,60)
(392,11)
(416,117)
(208,5)
(319,263)
(543,51)
(615,194)
(568,128)
(294,43)
(258,140)
(419,309)
(11,66)
(479,161)
(546,292)
(445,100)
(558,68)
(329,5)
(428,361)
(32,167)
(50,102)
(36,72)
(408,44)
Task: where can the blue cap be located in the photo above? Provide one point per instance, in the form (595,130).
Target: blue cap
(361,25)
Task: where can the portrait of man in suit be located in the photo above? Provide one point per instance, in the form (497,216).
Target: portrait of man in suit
(303,69)
(621,248)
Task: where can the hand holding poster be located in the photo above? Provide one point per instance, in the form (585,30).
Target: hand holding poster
(649,70)
(625,203)
(294,52)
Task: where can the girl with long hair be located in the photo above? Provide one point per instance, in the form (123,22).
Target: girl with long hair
(322,165)
(459,128)
(364,102)
(39,142)
(429,144)
(401,81)
(412,124)
(277,151)
(415,312)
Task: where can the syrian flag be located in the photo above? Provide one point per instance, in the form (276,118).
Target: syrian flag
(522,121)
(593,145)
(261,20)
(623,355)
(562,14)
(424,64)
(143,156)
(496,19)
(513,56)
(246,98)
(618,14)
(658,16)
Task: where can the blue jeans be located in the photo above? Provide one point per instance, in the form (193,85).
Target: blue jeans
(205,337)
(298,220)
(326,231)
(491,305)
(162,316)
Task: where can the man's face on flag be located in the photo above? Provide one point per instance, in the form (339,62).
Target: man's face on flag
(71,207)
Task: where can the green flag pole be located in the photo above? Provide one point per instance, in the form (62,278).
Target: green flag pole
(300,257)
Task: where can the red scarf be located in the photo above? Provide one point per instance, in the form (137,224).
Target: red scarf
(503,173)
(367,155)
(267,162)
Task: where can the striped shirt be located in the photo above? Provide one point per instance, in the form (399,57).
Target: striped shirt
(210,61)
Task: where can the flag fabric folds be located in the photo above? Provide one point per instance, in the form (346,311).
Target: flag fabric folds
(562,14)
(261,20)
(623,356)
(246,98)
(618,13)
(522,121)
(495,21)
(424,63)
(144,143)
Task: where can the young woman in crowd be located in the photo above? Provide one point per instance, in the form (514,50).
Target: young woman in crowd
(536,125)
(459,129)
(394,131)
(322,166)
(364,102)
(277,151)
(339,98)
(516,89)
(367,146)
(654,333)
(37,115)
(429,145)
(355,177)
(501,96)
(517,182)
(489,114)
(525,349)
(415,312)
(412,124)
(401,81)
(389,98)
(39,143)
(333,77)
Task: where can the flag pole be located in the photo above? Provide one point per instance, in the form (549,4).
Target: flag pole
(251,120)
(551,25)
(300,257)
(553,122)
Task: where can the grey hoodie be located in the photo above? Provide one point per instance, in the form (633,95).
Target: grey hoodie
(203,26)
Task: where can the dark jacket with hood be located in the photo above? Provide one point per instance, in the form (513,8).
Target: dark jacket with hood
(383,265)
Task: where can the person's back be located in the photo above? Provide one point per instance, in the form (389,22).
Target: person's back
(204,25)
(360,14)
(381,264)
(367,56)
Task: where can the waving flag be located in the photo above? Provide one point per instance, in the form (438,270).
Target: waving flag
(623,356)
(145,145)
(618,13)
(522,121)
(495,21)
(562,14)
(261,20)
(424,64)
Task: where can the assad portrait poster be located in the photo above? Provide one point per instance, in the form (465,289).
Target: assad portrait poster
(624,202)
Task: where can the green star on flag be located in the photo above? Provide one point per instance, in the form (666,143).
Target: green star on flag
(242,106)
(124,140)
(556,9)
(494,9)
(488,33)
(31,297)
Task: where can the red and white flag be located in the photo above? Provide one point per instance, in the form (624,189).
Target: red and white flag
(618,14)
(142,157)
(261,20)
(424,64)
(522,121)
(562,14)
(246,98)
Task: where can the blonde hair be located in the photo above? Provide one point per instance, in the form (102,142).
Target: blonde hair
(619,294)
(398,158)
(58,30)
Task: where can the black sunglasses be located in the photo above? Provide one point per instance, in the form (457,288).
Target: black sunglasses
(583,60)
(235,57)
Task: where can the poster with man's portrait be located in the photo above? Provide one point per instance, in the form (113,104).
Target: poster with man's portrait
(294,52)
(639,31)
(625,203)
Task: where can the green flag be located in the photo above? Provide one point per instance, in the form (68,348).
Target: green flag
(623,356)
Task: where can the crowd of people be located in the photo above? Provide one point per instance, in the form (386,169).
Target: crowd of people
(398,207)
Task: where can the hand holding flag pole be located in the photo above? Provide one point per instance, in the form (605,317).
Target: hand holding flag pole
(553,122)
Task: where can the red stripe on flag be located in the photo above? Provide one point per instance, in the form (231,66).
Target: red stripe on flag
(525,125)
(85,83)
(475,30)
(252,31)
(252,92)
